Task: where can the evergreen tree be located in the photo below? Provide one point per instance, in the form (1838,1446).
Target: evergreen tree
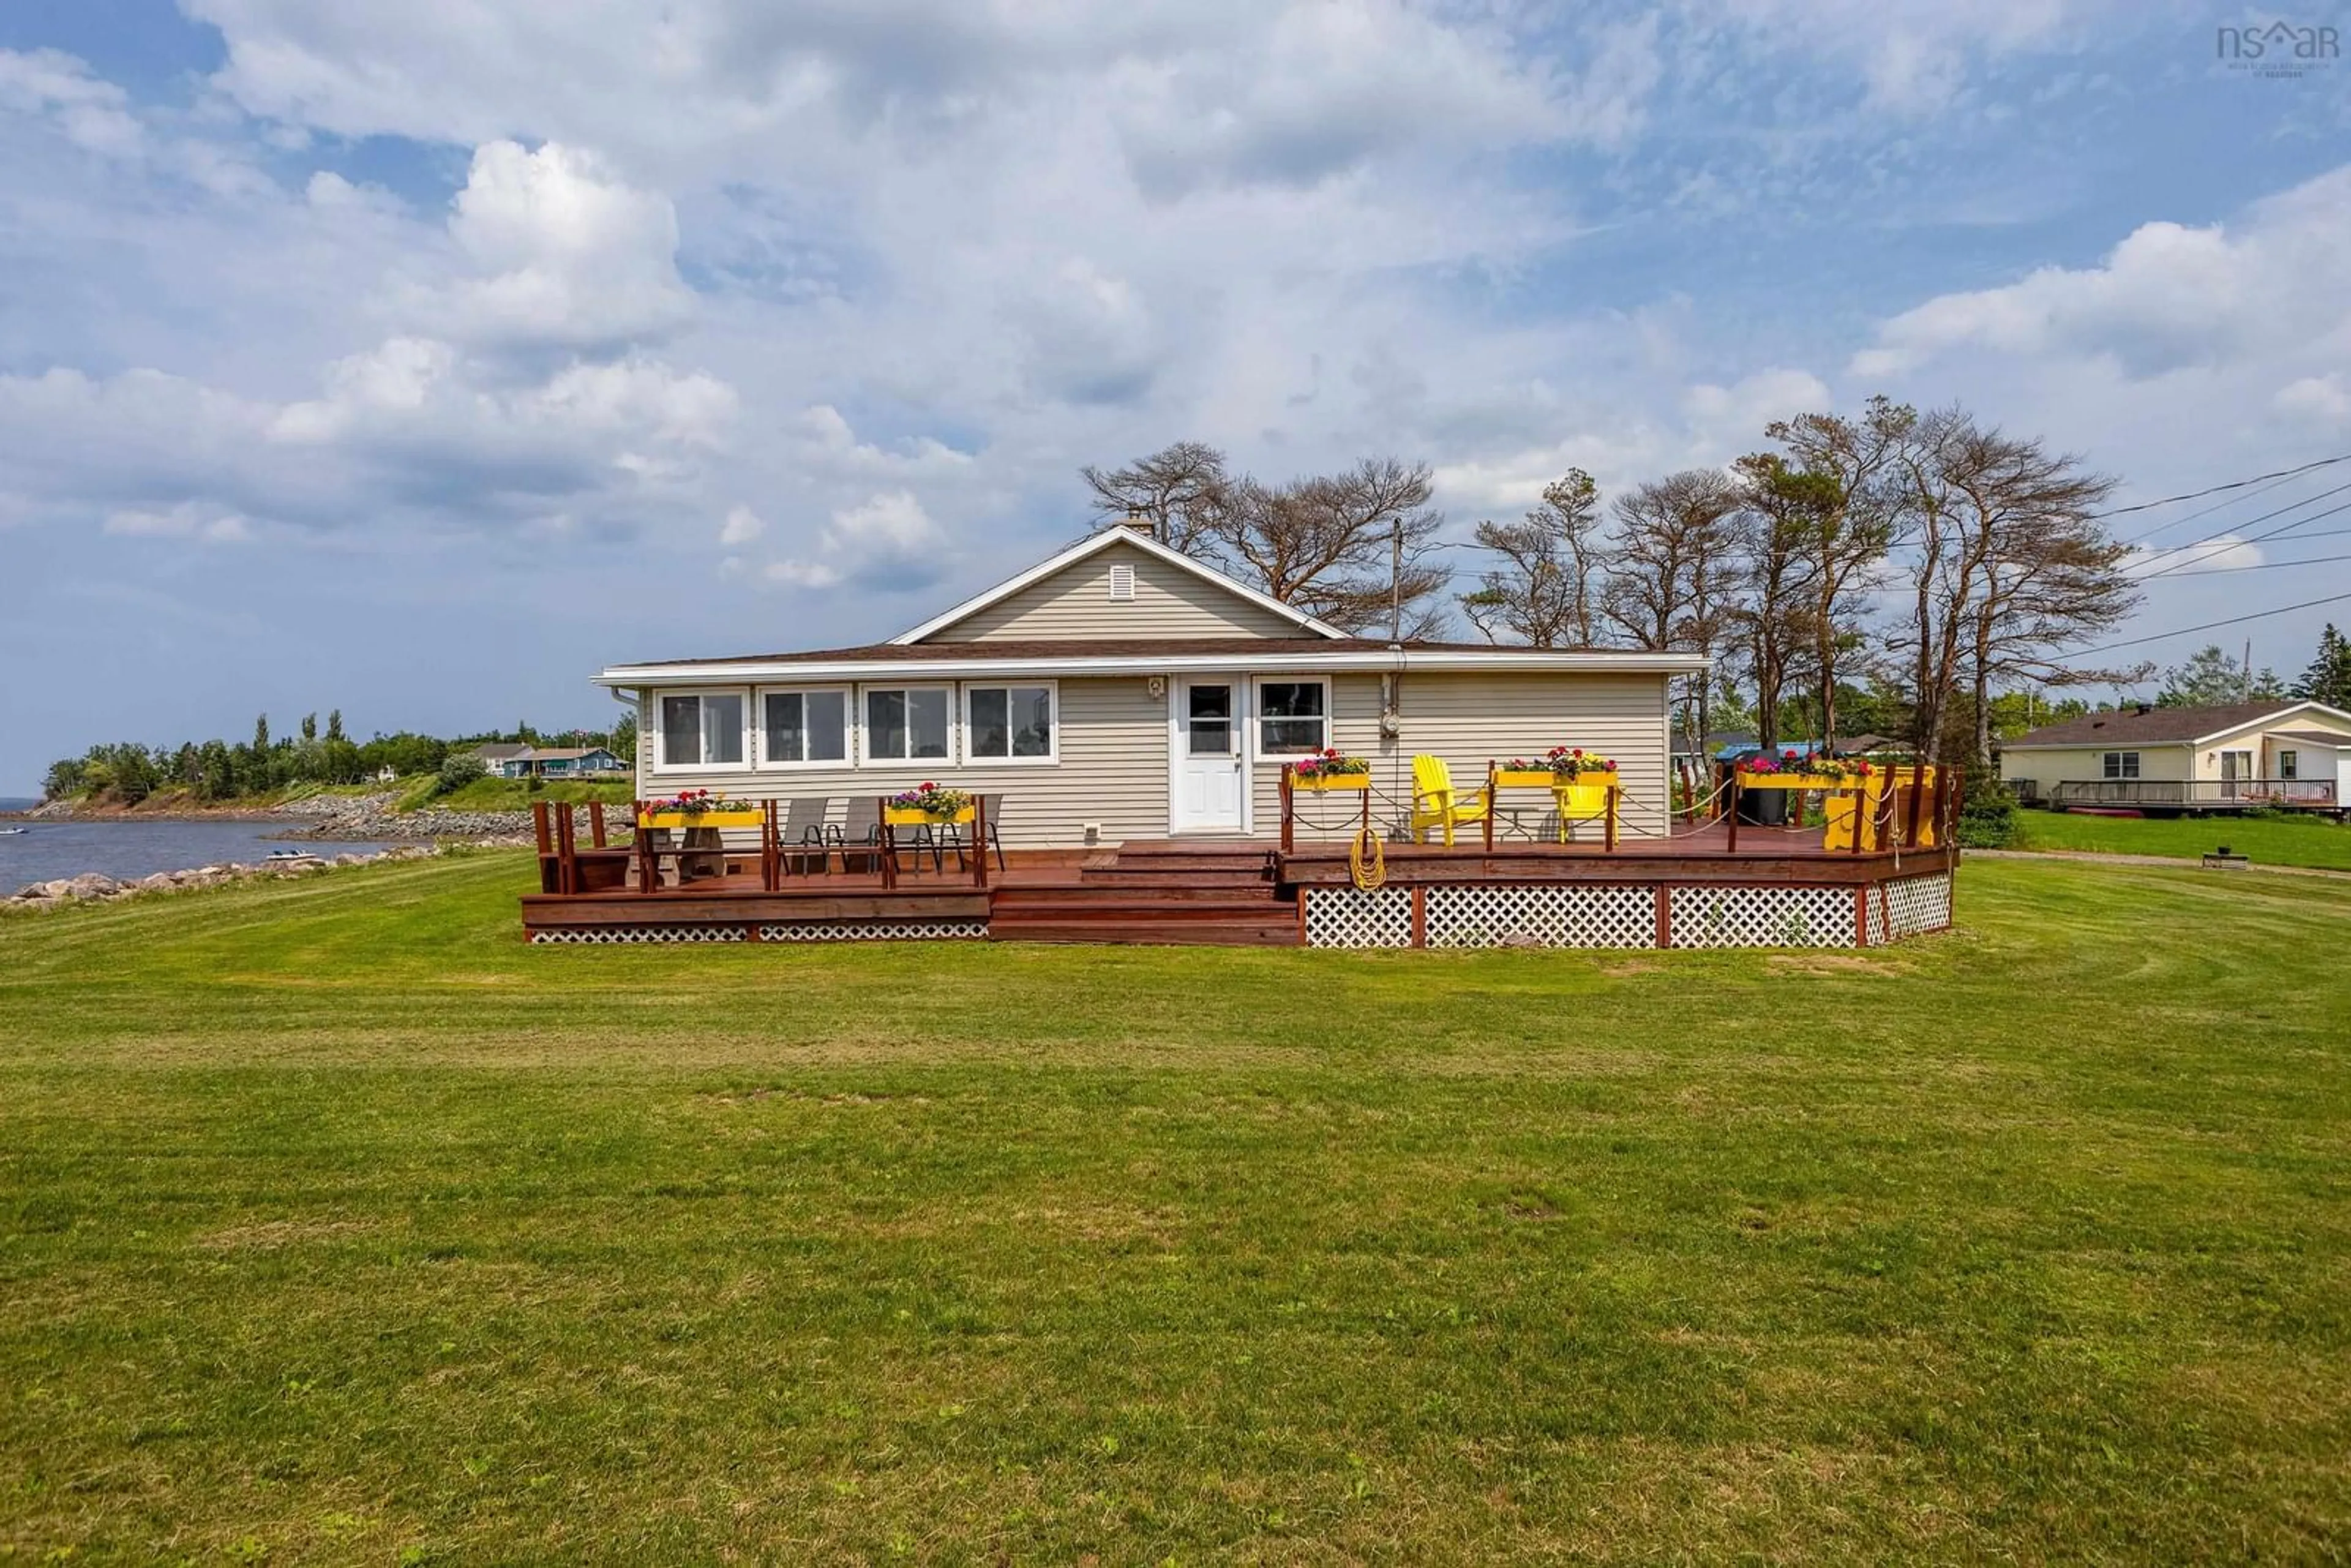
(2329,678)
(2209,679)
(310,727)
(261,735)
(335,724)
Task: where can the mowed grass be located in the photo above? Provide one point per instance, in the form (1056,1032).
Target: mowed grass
(337,1225)
(2305,841)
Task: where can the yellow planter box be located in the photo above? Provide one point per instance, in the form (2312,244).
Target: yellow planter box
(677,819)
(1544,778)
(1798,781)
(908,817)
(1334,781)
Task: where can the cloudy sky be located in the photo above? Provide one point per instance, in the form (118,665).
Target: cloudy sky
(418,357)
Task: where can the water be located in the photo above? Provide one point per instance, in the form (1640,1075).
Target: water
(44,851)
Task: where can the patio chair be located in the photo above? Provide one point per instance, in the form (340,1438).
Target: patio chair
(1580,803)
(801,835)
(860,834)
(991,806)
(1436,803)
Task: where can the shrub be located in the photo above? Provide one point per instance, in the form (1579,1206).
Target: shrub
(1987,815)
(458,769)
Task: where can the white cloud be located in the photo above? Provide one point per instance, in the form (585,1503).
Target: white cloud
(741,527)
(1916,57)
(89,112)
(2166,297)
(886,542)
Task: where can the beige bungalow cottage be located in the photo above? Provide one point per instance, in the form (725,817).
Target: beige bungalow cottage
(1120,690)
(2221,758)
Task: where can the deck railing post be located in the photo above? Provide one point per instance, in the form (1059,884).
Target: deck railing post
(771,860)
(564,880)
(1917,788)
(1289,800)
(979,843)
(1860,815)
(1491,803)
(1612,818)
(886,840)
(546,846)
(596,824)
(1732,806)
(647,871)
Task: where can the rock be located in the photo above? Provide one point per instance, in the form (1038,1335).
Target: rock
(33,890)
(91,884)
(162,882)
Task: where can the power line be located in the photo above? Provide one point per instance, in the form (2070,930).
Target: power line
(2215,489)
(2205,511)
(2208,625)
(2268,565)
(2234,539)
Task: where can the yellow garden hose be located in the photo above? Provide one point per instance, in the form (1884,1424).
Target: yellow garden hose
(1369,867)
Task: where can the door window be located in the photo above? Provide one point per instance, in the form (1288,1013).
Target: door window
(1208,720)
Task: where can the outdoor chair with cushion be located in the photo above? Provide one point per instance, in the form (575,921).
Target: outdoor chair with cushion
(1436,803)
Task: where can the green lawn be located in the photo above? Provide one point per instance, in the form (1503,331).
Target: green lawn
(337,1225)
(2270,840)
(516,794)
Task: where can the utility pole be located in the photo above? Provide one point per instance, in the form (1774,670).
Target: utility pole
(1395,588)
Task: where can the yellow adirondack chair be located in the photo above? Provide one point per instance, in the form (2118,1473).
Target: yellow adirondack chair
(1436,804)
(1580,803)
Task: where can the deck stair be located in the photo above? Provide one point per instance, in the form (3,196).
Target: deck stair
(1217,893)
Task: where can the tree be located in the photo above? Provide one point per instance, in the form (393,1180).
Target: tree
(310,727)
(1345,548)
(1850,529)
(2052,574)
(335,724)
(1672,577)
(2210,678)
(2329,678)
(1544,596)
(1182,490)
(1780,513)
(623,741)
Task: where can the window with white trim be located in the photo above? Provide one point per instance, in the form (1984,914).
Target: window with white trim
(906,724)
(702,729)
(798,728)
(1292,716)
(2289,764)
(1011,722)
(2120,764)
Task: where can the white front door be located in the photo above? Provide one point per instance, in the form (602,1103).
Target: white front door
(1206,741)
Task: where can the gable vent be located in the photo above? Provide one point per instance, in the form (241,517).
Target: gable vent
(1121,582)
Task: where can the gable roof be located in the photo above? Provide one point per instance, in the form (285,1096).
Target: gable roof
(1094,545)
(2313,737)
(502,751)
(2159,727)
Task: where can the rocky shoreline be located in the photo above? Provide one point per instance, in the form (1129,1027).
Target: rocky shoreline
(92,887)
(329,817)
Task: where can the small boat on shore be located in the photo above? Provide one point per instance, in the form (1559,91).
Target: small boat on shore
(12,832)
(279,857)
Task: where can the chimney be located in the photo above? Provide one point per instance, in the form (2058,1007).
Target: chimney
(1140,522)
(2145,708)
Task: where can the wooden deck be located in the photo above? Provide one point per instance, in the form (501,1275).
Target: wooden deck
(1219,892)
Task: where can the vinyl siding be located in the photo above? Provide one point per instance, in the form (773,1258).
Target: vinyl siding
(2075,765)
(1075,602)
(1470,719)
(1113,761)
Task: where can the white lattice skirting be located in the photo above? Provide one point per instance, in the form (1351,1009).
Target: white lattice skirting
(1909,907)
(603,934)
(1358,917)
(1762,917)
(896,931)
(1541,917)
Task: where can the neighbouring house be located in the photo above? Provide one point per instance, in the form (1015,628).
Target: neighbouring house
(2168,760)
(510,761)
(504,759)
(571,761)
(1120,690)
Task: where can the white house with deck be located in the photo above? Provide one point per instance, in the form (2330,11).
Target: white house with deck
(1120,690)
(2220,759)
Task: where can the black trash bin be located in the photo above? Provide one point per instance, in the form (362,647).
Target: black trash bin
(1764,807)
